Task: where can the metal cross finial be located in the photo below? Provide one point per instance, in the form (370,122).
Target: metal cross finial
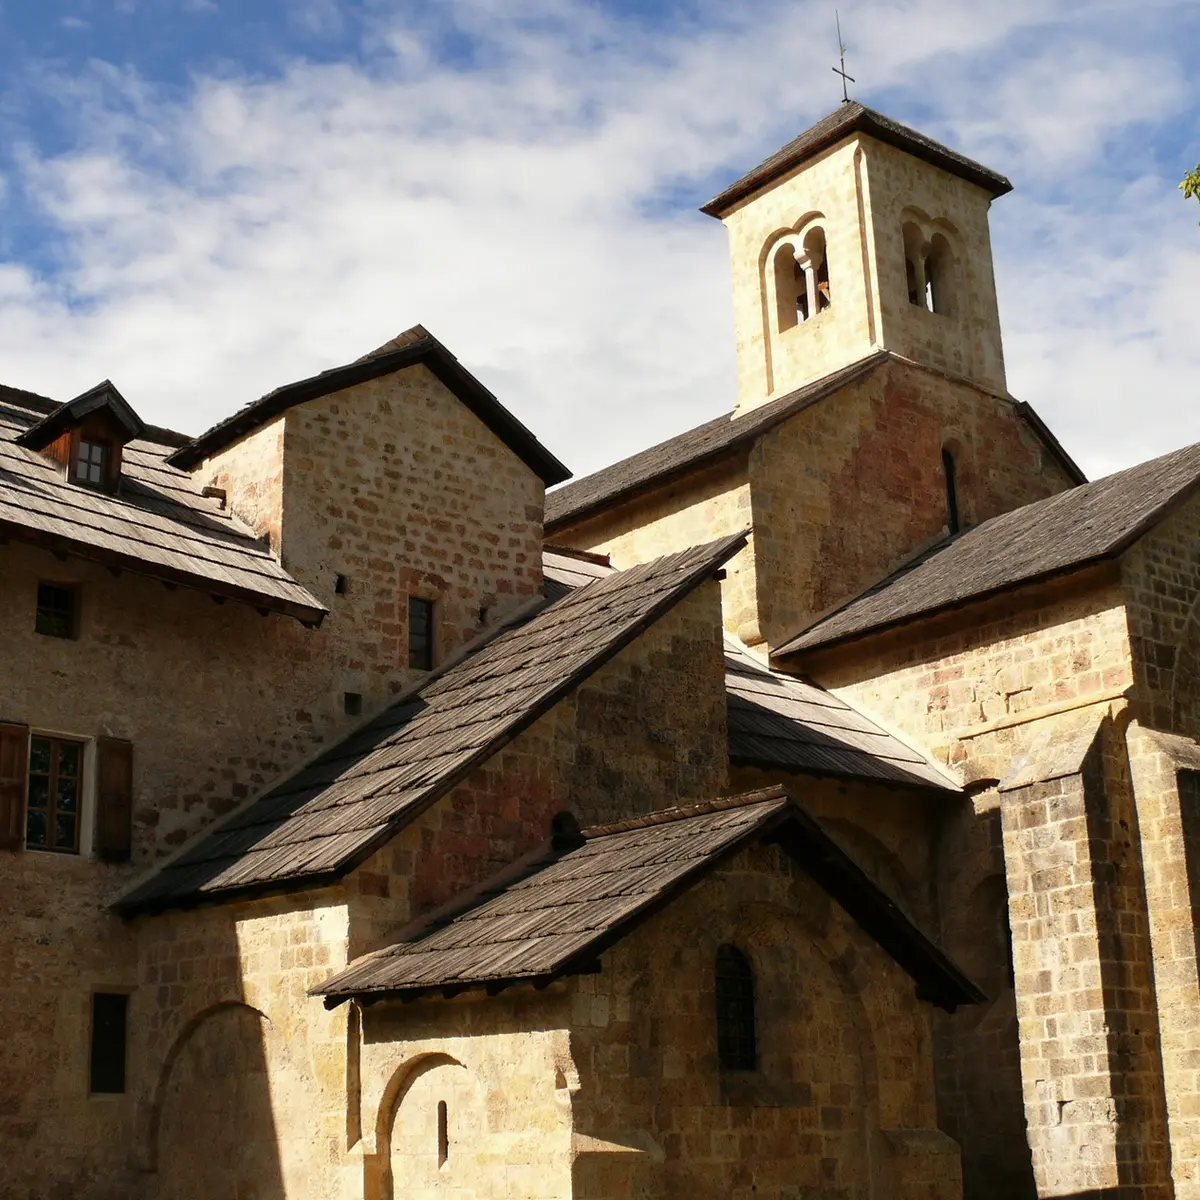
(842,54)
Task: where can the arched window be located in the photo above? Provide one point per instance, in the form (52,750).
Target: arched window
(791,287)
(817,265)
(939,276)
(951,474)
(801,279)
(737,1048)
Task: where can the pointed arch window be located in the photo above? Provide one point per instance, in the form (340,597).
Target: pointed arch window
(737,1043)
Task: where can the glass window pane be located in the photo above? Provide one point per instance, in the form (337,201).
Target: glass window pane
(35,828)
(64,832)
(39,755)
(68,790)
(39,791)
(68,758)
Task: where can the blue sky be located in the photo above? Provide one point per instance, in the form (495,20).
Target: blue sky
(203,199)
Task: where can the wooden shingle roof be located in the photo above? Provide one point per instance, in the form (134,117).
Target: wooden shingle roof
(776,720)
(692,450)
(330,816)
(1064,532)
(416,345)
(157,525)
(845,120)
(556,911)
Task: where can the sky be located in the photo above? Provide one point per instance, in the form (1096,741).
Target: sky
(205,199)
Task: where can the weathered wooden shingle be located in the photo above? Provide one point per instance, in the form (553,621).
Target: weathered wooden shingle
(776,720)
(157,525)
(330,816)
(1087,524)
(556,911)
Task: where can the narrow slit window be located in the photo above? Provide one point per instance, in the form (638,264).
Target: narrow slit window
(110,1020)
(56,610)
(443,1133)
(420,634)
(951,475)
(52,811)
(737,1043)
(90,463)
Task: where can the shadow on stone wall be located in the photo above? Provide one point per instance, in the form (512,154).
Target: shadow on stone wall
(212,1129)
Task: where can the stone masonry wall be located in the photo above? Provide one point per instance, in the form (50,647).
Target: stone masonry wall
(1161,578)
(975,690)
(219,701)
(966,339)
(849,488)
(842,1045)
(251,473)
(712,504)
(645,732)
(399,487)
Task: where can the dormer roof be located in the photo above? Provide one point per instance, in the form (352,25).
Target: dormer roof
(103,398)
(847,119)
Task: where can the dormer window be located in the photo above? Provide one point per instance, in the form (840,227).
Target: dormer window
(86,437)
(91,463)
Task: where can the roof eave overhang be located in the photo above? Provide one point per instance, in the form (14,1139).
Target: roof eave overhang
(792,653)
(729,547)
(310,615)
(428,351)
(66,416)
(943,790)
(992,182)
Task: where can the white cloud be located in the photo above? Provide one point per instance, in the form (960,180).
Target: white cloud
(260,230)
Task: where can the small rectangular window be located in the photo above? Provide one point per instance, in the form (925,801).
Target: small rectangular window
(352,704)
(52,810)
(420,634)
(90,463)
(110,1017)
(56,610)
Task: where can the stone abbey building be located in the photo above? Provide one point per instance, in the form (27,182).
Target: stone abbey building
(807,806)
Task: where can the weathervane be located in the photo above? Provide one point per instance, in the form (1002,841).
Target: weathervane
(842,52)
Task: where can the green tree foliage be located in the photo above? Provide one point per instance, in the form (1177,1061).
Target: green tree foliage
(1191,184)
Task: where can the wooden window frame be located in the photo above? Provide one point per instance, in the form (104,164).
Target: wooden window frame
(101,466)
(72,589)
(428,660)
(52,777)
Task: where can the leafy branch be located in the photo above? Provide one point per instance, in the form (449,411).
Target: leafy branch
(1191,184)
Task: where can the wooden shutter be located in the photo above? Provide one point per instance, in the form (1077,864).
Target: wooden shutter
(114,799)
(14,777)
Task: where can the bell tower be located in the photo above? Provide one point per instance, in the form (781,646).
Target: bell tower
(861,235)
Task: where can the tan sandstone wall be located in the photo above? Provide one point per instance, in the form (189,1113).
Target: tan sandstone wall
(976,691)
(645,732)
(844,1052)
(711,504)
(1161,578)
(966,340)
(850,488)
(219,701)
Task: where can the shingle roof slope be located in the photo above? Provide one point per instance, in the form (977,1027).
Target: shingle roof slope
(777,720)
(553,913)
(158,524)
(1085,524)
(416,345)
(330,816)
(696,447)
(855,118)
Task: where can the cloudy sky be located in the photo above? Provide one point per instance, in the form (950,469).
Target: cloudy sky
(203,199)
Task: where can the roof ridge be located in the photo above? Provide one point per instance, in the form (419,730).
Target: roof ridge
(682,812)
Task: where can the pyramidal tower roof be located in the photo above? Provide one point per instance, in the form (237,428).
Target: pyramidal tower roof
(852,117)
